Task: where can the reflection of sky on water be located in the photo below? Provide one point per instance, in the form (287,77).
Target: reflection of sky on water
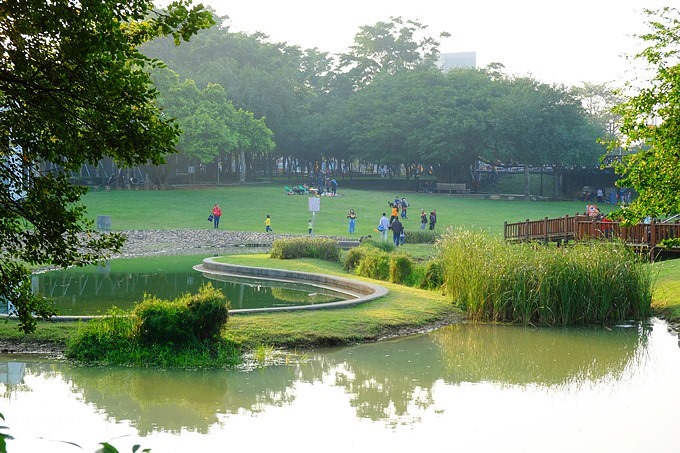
(477,388)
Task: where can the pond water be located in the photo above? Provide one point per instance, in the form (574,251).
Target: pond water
(92,291)
(460,388)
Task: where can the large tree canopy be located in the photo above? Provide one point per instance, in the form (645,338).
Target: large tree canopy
(650,121)
(73,89)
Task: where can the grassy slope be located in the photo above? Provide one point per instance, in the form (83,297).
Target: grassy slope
(403,309)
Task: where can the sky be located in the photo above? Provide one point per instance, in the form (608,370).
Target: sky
(555,42)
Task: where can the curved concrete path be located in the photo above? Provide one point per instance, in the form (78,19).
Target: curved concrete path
(359,291)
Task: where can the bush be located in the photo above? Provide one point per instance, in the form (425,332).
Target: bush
(375,264)
(184,321)
(401,267)
(385,246)
(354,257)
(320,248)
(97,337)
(184,333)
(433,277)
(421,237)
(208,312)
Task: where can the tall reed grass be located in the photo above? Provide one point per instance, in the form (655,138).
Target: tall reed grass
(586,283)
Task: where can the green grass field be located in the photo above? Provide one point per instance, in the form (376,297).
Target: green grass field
(245,207)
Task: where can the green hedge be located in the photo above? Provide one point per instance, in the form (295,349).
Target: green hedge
(320,248)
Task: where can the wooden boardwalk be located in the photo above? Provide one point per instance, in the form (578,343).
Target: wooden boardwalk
(644,237)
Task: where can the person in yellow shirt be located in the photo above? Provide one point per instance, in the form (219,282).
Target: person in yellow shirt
(268,224)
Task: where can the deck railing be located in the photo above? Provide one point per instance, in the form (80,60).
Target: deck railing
(646,236)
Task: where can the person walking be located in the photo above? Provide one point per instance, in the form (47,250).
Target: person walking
(395,211)
(352,216)
(383,227)
(404,207)
(423,219)
(433,218)
(397,231)
(268,224)
(216,214)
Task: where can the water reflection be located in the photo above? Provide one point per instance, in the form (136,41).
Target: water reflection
(392,381)
(93,293)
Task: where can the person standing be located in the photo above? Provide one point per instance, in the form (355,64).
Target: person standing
(310,226)
(334,187)
(397,231)
(352,216)
(433,218)
(423,219)
(404,207)
(216,213)
(395,211)
(268,224)
(383,226)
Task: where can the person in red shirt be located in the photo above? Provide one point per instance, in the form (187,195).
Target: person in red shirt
(216,214)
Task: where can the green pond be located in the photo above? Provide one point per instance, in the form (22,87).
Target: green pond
(123,283)
(467,388)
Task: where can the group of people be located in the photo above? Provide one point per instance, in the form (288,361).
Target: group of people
(399,208)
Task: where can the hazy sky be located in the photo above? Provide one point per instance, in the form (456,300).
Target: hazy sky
(561,42)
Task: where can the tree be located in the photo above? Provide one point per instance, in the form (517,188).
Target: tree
(536,124)
(650,120)
(73,89)
(387,48)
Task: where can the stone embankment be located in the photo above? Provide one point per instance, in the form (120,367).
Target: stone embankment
(195,242)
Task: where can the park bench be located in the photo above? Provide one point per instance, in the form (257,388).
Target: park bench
(452,187)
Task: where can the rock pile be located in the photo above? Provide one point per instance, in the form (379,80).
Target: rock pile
(187,242)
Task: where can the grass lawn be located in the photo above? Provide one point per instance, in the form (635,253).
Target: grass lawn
(245,209)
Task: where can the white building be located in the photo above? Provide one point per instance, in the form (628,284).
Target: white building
(448,61)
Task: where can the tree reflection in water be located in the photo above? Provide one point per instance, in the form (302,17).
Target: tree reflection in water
(391,381)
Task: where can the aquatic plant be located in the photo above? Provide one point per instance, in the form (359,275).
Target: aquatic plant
(585,283)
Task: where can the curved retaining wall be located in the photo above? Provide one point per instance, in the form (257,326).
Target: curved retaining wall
(359,291)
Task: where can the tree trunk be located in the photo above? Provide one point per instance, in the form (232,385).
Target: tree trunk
(242,168)
(527,186)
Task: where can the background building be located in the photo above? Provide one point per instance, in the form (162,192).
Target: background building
(448,61)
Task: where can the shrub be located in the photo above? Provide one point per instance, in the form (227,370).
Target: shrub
(320,248)
(97,337)
(385,246)
(207,313)
(421,237)
(433,277)
(375,264)
(184,321)
(354,257)
(401,267)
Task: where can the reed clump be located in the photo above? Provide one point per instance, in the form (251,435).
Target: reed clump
(586,283)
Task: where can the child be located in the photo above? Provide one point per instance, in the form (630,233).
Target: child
(310,225)
(268,224)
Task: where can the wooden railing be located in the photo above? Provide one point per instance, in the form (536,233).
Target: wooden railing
(580,227)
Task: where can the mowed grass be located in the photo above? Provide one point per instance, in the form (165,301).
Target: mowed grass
(245,208)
